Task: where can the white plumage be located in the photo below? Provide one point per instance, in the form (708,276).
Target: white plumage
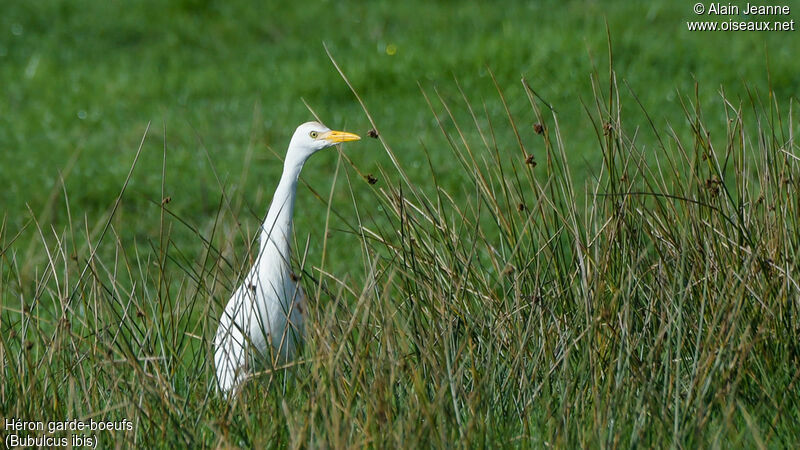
(266,311)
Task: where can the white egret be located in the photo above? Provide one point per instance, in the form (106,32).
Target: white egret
(266,312)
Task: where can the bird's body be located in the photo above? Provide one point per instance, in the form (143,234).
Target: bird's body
(266,312)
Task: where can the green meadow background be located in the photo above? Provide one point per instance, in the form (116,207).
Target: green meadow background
(222,86)
(82,79)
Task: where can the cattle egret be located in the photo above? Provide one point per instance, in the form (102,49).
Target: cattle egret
(266,312)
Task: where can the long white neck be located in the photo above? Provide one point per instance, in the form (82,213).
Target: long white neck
(276,231)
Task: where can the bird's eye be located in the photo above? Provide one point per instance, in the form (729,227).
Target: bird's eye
(313,134)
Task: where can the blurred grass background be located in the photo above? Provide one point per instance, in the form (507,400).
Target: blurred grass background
(81,79)
(509,311)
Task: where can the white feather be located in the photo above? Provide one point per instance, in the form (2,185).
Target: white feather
(266,312)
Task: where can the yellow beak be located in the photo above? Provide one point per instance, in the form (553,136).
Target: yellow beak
(335,137)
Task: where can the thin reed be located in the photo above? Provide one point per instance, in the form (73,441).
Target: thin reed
(653,304)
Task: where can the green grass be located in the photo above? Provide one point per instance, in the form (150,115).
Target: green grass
(637,286)
(82,79)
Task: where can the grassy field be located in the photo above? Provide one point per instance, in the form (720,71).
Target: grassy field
(625,275)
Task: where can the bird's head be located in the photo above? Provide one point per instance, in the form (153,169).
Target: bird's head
(312,137)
